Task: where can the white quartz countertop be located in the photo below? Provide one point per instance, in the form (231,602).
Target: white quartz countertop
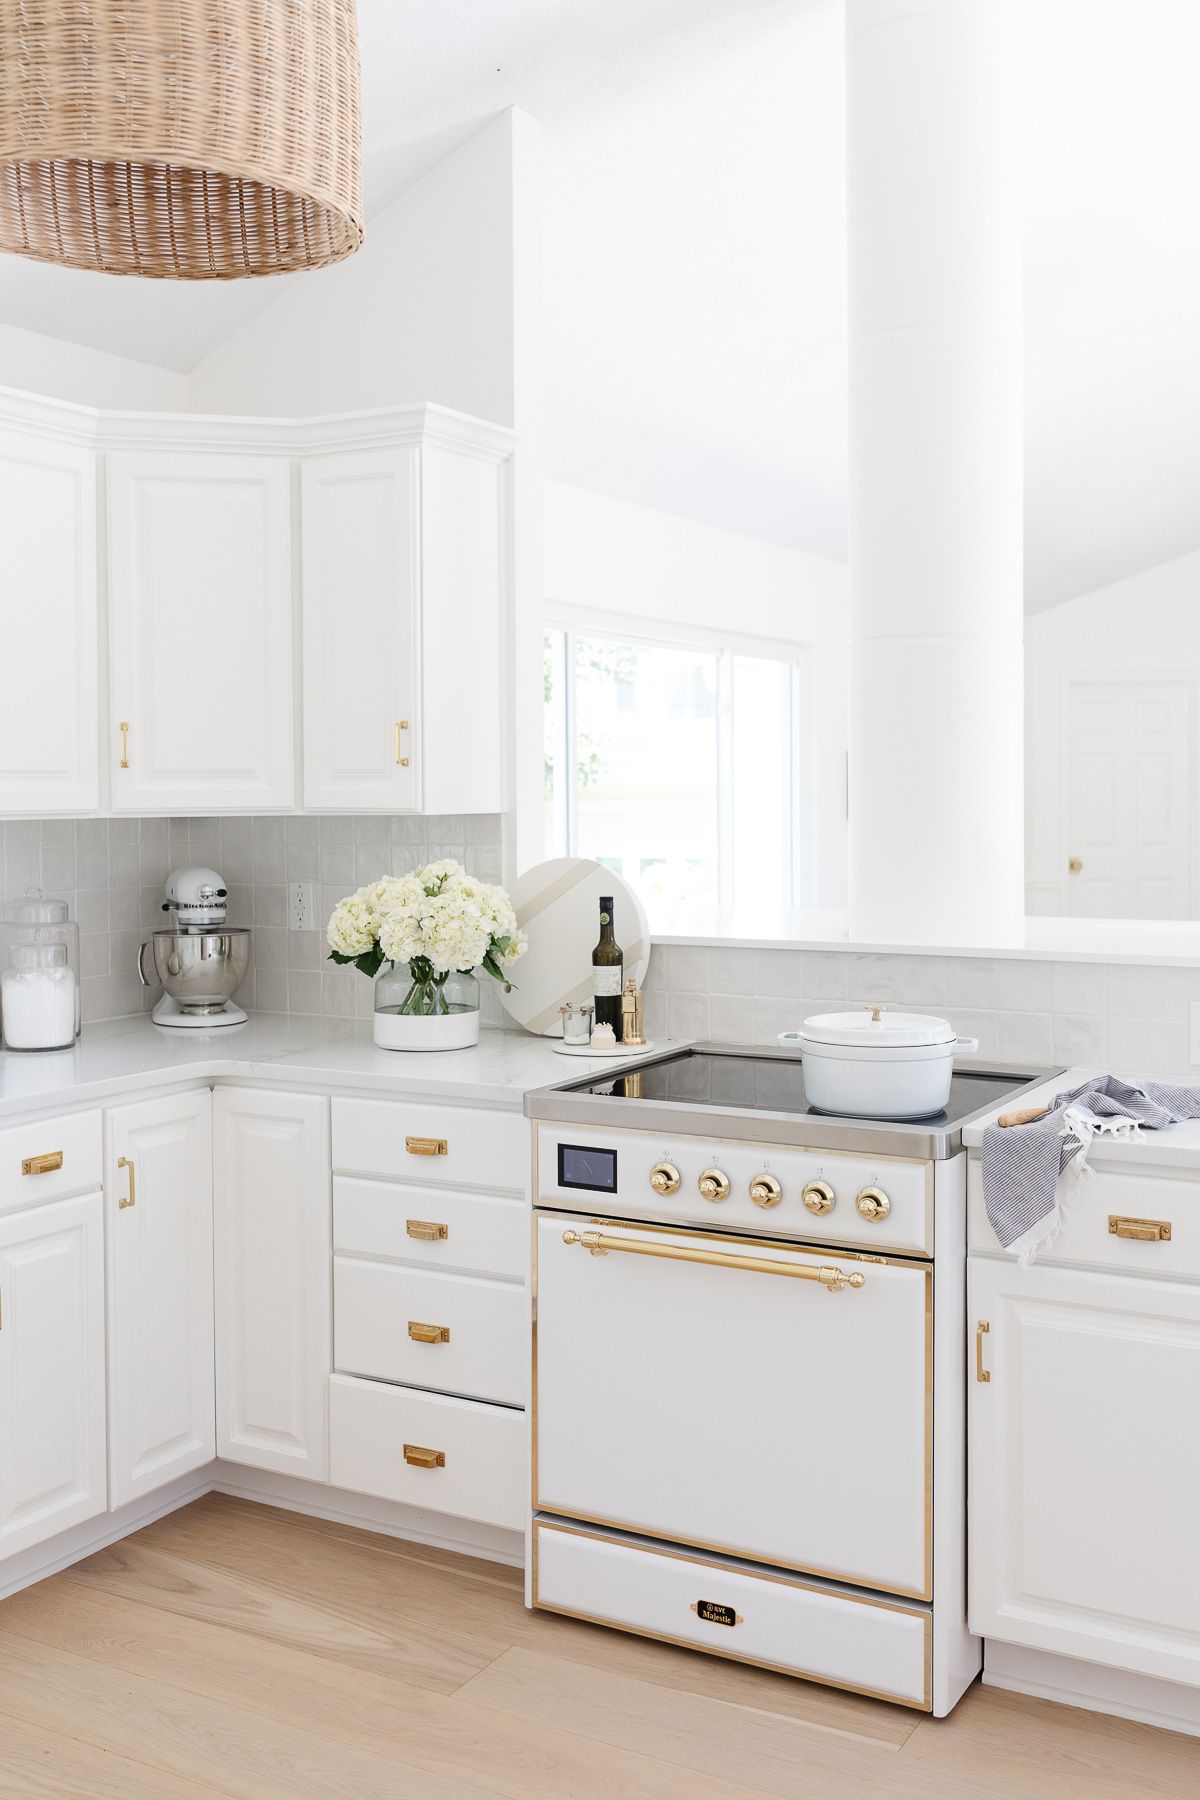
(1174,1145)
(286,1051)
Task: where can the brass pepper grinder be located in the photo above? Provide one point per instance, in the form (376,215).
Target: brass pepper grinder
(632,1035)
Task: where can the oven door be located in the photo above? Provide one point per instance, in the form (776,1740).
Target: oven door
(716,1391)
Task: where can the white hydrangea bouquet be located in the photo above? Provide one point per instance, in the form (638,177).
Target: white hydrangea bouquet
(440,921)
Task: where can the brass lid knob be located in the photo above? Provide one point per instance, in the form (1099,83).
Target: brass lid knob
(873,1204)
(765,1190)
(819,1197)
(714,1184)
(664,1178)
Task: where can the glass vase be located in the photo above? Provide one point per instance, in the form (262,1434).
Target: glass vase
(416,1010)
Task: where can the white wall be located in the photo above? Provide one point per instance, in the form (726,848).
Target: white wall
(614,556)
(65,371)
(1145,626)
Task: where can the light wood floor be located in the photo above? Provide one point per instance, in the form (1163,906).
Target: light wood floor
(235,1650)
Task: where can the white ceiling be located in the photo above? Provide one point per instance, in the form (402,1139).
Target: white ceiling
(695,337)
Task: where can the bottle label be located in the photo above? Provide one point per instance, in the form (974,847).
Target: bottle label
(606,981)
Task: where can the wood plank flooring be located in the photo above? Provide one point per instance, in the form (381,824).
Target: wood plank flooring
(236,1650)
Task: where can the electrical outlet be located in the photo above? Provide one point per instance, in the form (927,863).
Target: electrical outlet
(1194,1032)
(301,907)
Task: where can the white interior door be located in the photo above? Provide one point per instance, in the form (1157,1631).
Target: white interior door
(360,581)
(746,1412)
(1128,813)
(49,751)
(1085,1466)
(200,621)
(160,1238)
(52,1470)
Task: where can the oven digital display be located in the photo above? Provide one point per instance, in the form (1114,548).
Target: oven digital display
(593,1170)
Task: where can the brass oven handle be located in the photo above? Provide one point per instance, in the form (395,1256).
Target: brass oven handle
(1142,1231)
(124,1162)
(419,1146)
(43,1164)
(428,1334)
(418,1457)
(834,1279)
(428,1231)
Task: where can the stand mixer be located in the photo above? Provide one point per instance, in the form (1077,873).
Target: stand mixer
(199,960)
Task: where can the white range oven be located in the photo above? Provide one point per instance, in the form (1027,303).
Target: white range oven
(748,1370)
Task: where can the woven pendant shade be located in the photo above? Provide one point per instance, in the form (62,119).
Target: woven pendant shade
(193,139)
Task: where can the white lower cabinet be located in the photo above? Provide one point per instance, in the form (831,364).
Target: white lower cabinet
(272,1235)
(1085,1465)
(52,1464)
(159,1204)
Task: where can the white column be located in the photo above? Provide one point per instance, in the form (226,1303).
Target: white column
(935,471)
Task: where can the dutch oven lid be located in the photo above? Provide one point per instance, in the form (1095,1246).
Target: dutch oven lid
(875,1028)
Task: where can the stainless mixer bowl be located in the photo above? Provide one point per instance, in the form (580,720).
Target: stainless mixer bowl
(200,970)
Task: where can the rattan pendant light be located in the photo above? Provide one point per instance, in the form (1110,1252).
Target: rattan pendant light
(193,139)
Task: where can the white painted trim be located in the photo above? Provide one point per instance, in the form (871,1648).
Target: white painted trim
(1070,1682)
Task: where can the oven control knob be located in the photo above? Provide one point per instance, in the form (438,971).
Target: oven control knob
(714,1184)
(873,1204)
(765,1191)
(664,1178)
(819,1197)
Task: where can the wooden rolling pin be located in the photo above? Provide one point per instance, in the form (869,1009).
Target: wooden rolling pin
(1025,1117)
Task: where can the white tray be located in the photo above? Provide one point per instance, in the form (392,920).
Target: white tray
(625,1050)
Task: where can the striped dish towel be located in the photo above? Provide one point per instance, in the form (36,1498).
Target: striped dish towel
(1022,1163)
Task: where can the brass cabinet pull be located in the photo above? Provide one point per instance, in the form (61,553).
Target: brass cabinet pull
(123,1162)
(123,728)
(43,1164)
(428,1334)
(401,725)
(418,1146)
(419,1458)
(1142,1231)
(833,1278)
(981,1330)
(427,1230)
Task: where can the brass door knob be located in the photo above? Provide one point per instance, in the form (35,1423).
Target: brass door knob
(765,1191)
(664,1178)
(714,1184)
(873,1204)
(819,1197)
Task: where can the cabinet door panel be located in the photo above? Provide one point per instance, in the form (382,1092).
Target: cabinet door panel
(52,1472)
(361,571)
(49,760)
(273,1230)
(200,609)
(161,1409)
(1085,1465)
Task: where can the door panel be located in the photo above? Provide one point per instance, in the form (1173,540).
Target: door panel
(1085,1466)
(52,1472)
(737,1411)
(161,1407)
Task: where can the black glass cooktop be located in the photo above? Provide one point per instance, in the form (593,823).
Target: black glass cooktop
(723,1078)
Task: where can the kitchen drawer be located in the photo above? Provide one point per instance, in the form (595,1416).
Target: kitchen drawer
(376,1306)
(50,1159)
(1139,1201)
(458,1145)
(735,1610)
(484,1470)
(436,1228)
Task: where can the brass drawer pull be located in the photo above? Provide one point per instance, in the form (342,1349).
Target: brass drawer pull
(981,1331)
(427,1230)
(418,1146)
(124,1162)
(833,1278)
(419,1458)
(1142,1231)
(428,1334)
(42,1165)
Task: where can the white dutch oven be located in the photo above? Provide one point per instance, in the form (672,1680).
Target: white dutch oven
(878,1065)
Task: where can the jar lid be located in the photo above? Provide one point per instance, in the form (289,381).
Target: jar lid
(36,908)
(38,956)
(873,1027)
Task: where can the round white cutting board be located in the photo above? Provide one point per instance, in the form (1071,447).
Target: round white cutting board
(558,909)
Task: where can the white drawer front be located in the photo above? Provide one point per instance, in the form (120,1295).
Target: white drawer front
(484,1472)
(50,1159)
(1114,1221)
(435,1228)
(875,1647)
(414,1142)
(377,1309)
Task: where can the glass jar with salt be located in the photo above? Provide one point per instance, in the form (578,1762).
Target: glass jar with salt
(39,974)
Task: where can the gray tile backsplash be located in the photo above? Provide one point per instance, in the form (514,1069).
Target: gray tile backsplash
(112,872)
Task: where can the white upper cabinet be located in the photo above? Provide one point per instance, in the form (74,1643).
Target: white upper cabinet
(48,733)
(200,624)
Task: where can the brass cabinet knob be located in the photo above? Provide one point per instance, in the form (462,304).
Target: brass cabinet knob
(765,1191)
(714,1184)
(819,1197)
(1075,866)
(873,1204)
(664,1178)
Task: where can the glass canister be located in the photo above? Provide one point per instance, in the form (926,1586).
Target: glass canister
(39,974)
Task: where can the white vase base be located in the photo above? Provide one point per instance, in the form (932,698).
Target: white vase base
(437,1031)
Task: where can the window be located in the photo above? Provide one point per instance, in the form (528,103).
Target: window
(672,759)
